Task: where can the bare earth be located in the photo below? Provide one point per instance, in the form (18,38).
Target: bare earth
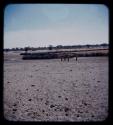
(51,90)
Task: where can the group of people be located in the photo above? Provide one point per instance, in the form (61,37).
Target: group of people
(67,57)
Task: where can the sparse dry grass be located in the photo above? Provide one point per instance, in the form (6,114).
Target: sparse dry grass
(51,90)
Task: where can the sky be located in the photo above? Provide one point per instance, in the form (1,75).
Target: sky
(41,25)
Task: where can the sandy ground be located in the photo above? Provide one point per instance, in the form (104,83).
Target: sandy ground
(51,90)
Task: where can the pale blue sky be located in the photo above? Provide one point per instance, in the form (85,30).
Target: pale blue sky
(55,24)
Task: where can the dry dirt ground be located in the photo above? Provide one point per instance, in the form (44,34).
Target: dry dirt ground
(51,90)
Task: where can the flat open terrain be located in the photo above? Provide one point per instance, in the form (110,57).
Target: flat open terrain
(51,90)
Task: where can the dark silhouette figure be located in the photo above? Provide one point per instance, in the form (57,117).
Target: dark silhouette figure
(76,57)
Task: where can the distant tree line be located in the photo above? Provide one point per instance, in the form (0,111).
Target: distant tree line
(50,47)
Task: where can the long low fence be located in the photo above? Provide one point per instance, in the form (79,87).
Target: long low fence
(71,54)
